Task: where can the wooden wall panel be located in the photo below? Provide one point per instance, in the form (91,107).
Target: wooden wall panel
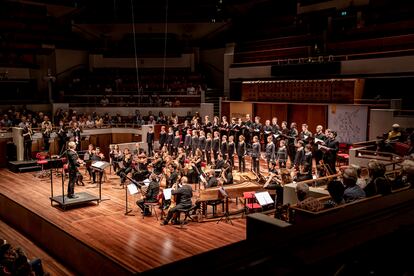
(103,141)
(225,109)
(297,113)
(264,111)
(118,138)
(280,111)
(317,115)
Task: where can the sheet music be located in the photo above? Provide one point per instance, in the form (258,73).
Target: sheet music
(132,188)
(167,193)
(276,135)
(98,164)
(147,182)
(319,141)
(263,198)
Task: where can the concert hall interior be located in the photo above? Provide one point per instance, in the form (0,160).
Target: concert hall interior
(206,137)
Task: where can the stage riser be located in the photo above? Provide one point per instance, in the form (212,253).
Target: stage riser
(72,252)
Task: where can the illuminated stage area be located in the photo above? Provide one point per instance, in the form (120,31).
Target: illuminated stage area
(100,238)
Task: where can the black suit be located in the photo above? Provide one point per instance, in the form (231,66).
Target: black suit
(73,165)
(152,193)
(329,156)
(183,198)
(150,141)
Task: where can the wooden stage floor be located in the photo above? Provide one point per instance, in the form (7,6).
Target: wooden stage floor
(136,243)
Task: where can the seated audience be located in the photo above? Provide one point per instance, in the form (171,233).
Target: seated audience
(352,190)
(377,182)
(336,191)
(307,202)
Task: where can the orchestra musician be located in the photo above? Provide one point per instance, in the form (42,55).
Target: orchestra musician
(227,174)
(115,156)
(183,197)
(241,153)
(46,131)
(273,182)
(125,165)
(181,156)
(256,155)
(150,140)
(219,162)
(97,156)
(87,158)
(62,135)
(150,196)
(27,139)
(73,163)
(77,135)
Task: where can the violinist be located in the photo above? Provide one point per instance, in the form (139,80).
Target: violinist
(77,135)
(87,158)
(227,174)
(181,156)
(183,197)
(304,173)
(151,195)
(172,176)
(63,136)
(157,163)
(46,131)
(139,168)
(211,179)
(115,156)
(274,183)
(125,165)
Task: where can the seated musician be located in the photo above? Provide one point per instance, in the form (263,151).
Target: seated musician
(219,162)
(304,173)
(211,180)
(87,158)
(151,195)
(125,165)
(227,174)
(173,176)
(115,156)
(274,183)
(98,156)
(181,156)
(183,198)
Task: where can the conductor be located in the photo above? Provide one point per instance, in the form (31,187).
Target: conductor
(73,164)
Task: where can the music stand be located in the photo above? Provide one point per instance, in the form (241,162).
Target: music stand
(226,215)
(100,166)
(263,198)
(132,188)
